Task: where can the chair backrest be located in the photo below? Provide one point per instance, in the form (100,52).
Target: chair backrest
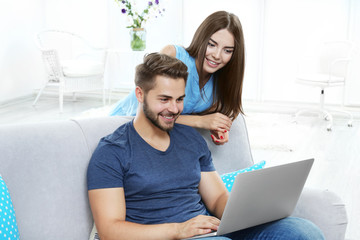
(58,46)
(334,57)
(52,65)
(67,44)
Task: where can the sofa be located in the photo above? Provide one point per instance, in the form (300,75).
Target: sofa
(44,167)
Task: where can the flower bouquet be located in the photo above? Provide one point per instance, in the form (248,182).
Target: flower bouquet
(138,12)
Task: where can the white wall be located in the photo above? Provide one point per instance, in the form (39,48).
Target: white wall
(19,73)
(87,18)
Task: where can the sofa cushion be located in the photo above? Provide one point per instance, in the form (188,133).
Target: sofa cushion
(8,225)
(82,68)
(44,165)
(229,178)
(93,133)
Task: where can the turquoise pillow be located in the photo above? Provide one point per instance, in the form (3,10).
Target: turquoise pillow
(229,178)
(8,225)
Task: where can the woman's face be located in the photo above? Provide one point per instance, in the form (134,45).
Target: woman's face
(219,51)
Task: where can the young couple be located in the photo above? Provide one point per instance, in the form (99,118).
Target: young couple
(154,178)
(215,61)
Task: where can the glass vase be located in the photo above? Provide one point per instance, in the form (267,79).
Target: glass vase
(138,39)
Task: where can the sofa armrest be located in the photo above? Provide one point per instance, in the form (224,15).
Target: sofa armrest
(325,209)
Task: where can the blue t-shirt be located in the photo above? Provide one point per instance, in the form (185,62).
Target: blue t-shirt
(159,186)
(194,102)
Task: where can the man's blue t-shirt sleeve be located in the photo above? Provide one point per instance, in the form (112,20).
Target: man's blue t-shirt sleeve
(105,170)
(206,162)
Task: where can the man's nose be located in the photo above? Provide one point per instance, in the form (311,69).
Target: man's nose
(173,107)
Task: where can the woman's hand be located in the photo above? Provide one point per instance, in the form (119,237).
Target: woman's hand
(219,138)
(215,122)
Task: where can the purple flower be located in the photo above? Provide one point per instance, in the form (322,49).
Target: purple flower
(123,10)
(157,2)
(123,2)
(150,3)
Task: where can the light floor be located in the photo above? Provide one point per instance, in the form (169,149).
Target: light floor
(277,139)
(273,137)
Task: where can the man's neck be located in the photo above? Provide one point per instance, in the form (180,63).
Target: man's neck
(154,136)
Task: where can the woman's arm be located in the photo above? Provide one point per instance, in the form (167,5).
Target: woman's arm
(218,124)
(213,122)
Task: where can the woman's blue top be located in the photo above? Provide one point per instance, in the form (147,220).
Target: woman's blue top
(194,102)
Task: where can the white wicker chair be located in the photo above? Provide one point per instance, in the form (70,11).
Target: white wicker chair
(71,63)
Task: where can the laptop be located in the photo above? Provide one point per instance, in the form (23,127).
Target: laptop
(263,196)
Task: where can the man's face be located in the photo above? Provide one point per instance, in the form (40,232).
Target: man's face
(163,104)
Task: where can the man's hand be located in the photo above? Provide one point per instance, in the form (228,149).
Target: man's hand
(197,226)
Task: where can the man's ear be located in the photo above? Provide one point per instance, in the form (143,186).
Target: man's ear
(139,93)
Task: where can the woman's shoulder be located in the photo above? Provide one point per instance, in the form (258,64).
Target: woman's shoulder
(176,51)
(181,53)
(169,50)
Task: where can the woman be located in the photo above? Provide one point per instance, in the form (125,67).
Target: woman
(215,61)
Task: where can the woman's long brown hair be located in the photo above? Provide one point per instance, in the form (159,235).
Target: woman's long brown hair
(228,81)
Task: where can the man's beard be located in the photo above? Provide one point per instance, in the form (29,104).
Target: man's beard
(154,118)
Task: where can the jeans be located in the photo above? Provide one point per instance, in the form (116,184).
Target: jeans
(290,228)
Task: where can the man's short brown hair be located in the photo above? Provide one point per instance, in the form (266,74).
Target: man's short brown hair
(158,64)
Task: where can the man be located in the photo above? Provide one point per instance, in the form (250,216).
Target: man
(153,178)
